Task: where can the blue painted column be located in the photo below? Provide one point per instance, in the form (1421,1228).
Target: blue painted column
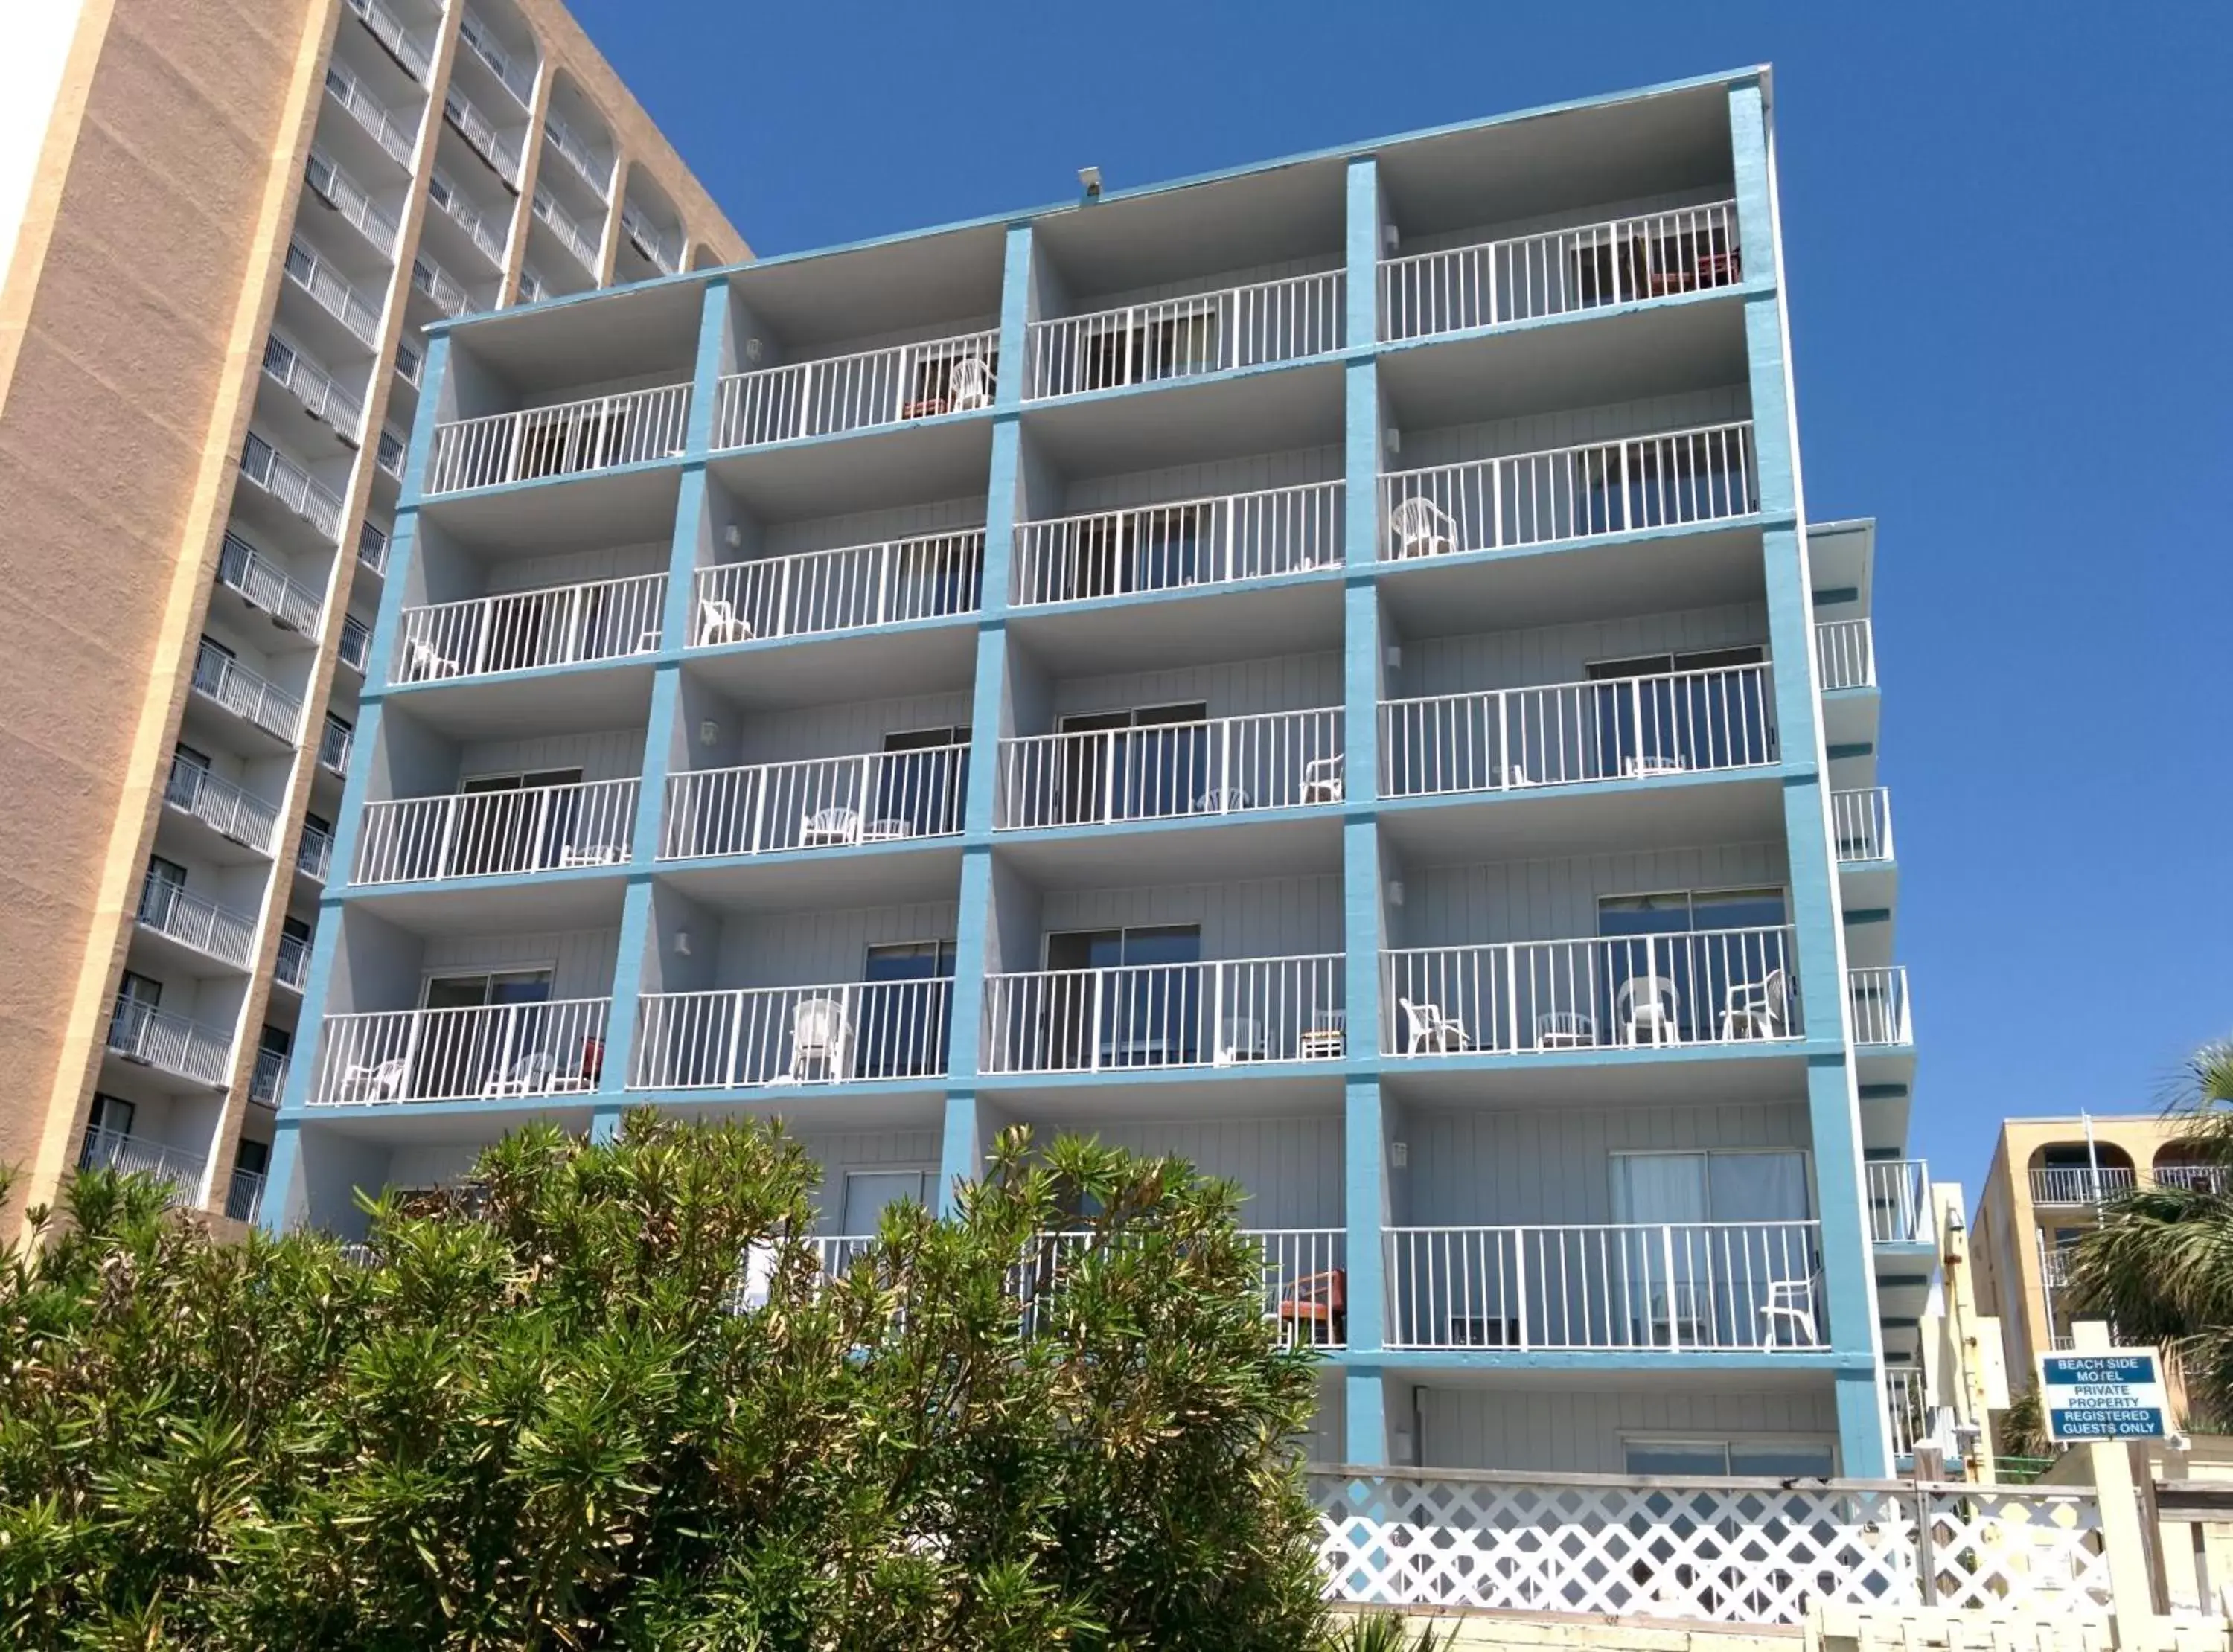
(962,1156)
(1833,1102)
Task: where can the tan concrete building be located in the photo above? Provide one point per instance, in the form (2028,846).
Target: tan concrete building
(2044,1190)
(222,226)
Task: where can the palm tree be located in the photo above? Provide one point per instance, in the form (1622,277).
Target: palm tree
(2160,1267)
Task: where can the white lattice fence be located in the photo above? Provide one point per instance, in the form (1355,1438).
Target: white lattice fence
(1726,1550)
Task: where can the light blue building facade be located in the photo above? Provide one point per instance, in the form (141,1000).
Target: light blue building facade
(1324,669)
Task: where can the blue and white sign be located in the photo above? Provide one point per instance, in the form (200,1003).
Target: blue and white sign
(2118,1395)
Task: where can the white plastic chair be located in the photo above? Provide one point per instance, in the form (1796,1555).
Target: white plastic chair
(828,827)
(1790,1303)
(1422,528)
(529,1076)
(759,1281)
(380,1082)
(718,621)
(1649,1010)
(1643,766)
(1241,1039)
(819,1032)
(1322,780)
(1222,800)
(1432,1030)
(423,663)
(969,384)
(592,854)
(1757,1010)
(1566,1029)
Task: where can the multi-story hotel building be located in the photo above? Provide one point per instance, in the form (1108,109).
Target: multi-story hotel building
(1323,669)
(239,221)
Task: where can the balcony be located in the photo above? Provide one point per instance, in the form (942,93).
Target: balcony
(454,205)
(1723,986)
(821,802)
(1899,1202)
(222,806)
(1220,767)
(391,133)
(1256,325)
(314,855)
(517,78)
(2053,1261)
(148,1038)
(2193,1178)
(496,834)
(225,681)
(372,546)
(1531,278)
(1627,728)
(568,439)
(409,363)
(1181,545)
(564,624)
(179,1173)
(1907,1409)
(1679,478)
(333,293)
(593,169)
(343,194)
(490,1051)
(447,293)
(1860,824)
(1879,997)
(815,592)
(501,152)
(1305,1270)
(663,252)
(244,1199)
(2081,1184)
(267,1080)
(318,391)
(1847,652)
(291,967)
(292,485)
(830,395)
(336,742)
(263,584)
(199,925)
(844,1032)
(416,53)
(356,650)
(1677,1288)
(571,236)
(391,451)
(1145,1017)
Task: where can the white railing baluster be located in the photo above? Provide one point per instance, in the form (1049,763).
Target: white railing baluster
(157,1039)
(832,394)
(1860,824)
(240,690)
(178,1171)
(816,803)
(1879,997)
(291,485)
(1179,544)
(1899,1201)
(411,50)
(1847,651)
(195,922)
(1286,320)
(221,805)
(838,1033)
(553,1048)
(1222,1013)
(630,428)
(488,834)
(814,593)
(1226,766)
(612,619)
(341,192)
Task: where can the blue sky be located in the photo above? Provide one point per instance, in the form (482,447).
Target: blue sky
(2010,257)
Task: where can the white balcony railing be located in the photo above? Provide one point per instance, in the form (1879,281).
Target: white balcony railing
(1899,1201)
(562,440)
(219,678)
(372,546)
(224,807)
(500,150)
(814,593)
(1179,545)
(834,1034)
(1305,1284)
(517,78)
(664,252)
(354,650)
(195,922)
(531,284)
(1219,1012)
(414,52)
(571,236)
(333,293)
(1879,997)
(314,854)
(860,391)
(1226,766)
(1860,824)
(488,834)
(1605,993)
(2193,1178)
(460,209)
(1847,649)
(820,802)
(341,192)
(267,1079)
(562,625)
(1687,250)
(1907,1407)
(2080,1184)
(244,1199)
(389,455)
(318,391)
(1660,481)
(1180,338)
(335,742)
(554,1047)
(1719,1287)
(409,362)
(1618,728)
(290,966)
(241,568)
(388,131)
(448,294)
(149,1038)
(176,1170)
(292,485)
(593,169)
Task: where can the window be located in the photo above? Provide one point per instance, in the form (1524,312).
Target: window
(903,1018)
(1680,962)
(869,1192)
(1715,1251)
(1702,710)
(922,784)
(1145,1010)
(517,825)
(1759,1459)
(112,1114)
(458,1053)
(159,895)
(1140,764)
(1747,1186)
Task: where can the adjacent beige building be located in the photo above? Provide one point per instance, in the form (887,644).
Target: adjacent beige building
(223,226)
